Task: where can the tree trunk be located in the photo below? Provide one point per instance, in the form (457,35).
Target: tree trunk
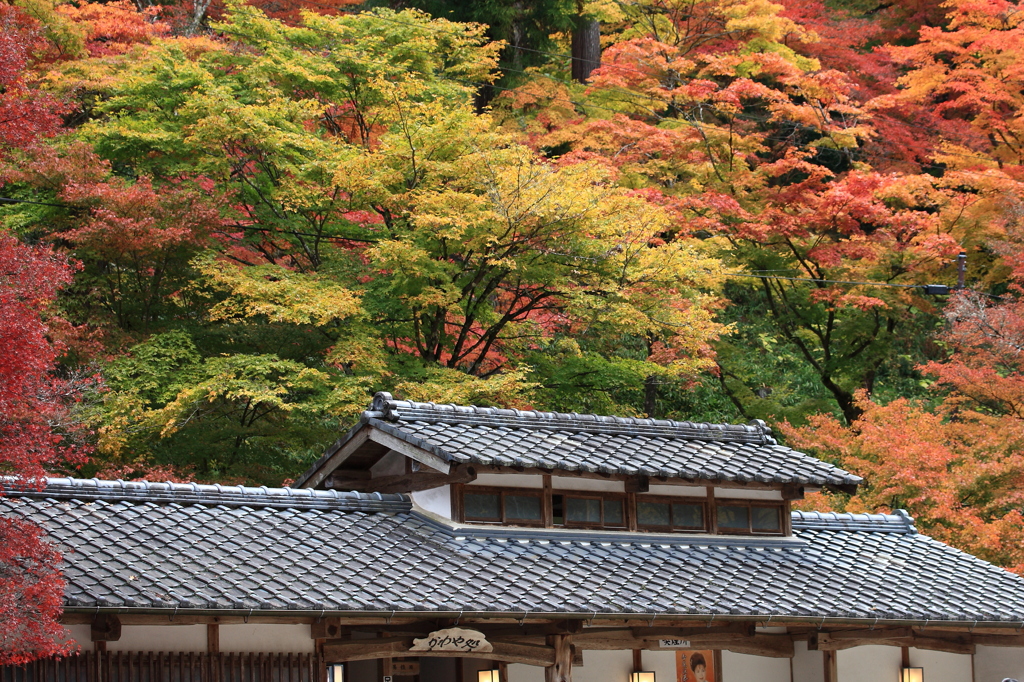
(586,48)
(651,396)
(199,8)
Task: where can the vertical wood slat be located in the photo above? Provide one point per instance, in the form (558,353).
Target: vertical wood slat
(166,666)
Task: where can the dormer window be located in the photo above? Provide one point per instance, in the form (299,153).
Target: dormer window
(494,466)
(617,511)
(745,517)
(668,514)
(508,507)
(579,510)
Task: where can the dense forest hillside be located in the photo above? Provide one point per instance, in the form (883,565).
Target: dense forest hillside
(224,226)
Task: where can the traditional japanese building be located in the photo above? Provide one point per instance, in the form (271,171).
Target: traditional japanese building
(447,543)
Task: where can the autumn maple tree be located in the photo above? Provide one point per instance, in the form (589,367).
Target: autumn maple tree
(36,435)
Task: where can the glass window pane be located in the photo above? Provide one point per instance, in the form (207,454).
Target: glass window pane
(483,506)
(653,514)
(733,517)
(613,513)
(557,517)
(765,519)
(582,510)
(688,515)
(522,507)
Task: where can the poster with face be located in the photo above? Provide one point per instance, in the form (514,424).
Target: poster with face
(695,666)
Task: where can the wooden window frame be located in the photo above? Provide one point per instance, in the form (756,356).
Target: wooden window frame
(592,495)
(630,502)
(501,493)
(668,499)
(781,507)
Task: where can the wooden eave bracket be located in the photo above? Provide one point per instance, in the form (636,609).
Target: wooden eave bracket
(105,627)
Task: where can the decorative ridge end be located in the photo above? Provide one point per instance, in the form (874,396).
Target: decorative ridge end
(907,519)
(384,405)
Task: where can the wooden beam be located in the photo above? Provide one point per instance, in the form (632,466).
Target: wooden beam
(956,644)
(325,628)
(625,477)
(389,647)
(212,638)
(406,483)
(351,474)
(716,631)
(105,628)
(638,484)
(491,632)
(792,491)
(774,646)
(560,670)
(410,451)
(341,452)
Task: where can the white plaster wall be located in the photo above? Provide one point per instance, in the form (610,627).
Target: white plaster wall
(941,666)
(170,637)
(746,668)
(519,672)
(996,663)
(872,664)
(679,490)
(572,483)
(663,663)
(742,494)
(808,666)
(605,666)
(269,639)
(509,480)
(435,500)
(81,635)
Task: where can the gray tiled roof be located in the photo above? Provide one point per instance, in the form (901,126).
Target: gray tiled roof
(597,444)
(171,546)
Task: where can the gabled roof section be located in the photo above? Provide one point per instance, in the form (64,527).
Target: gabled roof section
(180,549)
(587,444)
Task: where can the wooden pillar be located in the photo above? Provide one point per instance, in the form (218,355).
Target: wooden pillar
(213,638)
(638,660)
(561,671)
(831,670)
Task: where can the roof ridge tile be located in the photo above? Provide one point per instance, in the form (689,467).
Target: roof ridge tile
(212,495)
(897,522)
(385,407)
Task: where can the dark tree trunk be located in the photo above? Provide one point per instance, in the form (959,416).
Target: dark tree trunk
(586,48)
(651,396)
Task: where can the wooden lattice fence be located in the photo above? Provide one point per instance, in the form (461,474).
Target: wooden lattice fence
(117,666)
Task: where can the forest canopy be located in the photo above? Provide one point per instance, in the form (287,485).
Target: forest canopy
(225,225)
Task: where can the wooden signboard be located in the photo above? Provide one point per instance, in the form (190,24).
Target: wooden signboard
(454,639)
